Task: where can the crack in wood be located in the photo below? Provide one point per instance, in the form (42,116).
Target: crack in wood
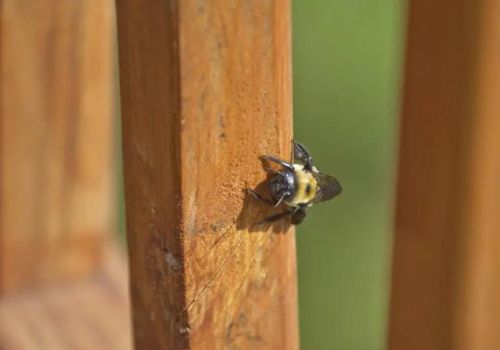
(216,274)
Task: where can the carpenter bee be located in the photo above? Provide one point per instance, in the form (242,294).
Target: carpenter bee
(297,186)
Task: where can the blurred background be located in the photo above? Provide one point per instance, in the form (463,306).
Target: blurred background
(397,100)
(347,59)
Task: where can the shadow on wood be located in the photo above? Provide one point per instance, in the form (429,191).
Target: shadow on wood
(254,211)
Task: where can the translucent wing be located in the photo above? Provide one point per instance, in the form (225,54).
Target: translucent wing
(328,187)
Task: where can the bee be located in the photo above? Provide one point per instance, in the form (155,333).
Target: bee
(297,186)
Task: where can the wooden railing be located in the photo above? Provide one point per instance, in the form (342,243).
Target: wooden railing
(62,279)
(445,288)
(206,90)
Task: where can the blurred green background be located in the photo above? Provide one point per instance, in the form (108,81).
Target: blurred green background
(347,57)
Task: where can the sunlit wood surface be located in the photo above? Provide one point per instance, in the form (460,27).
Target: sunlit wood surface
(206,90)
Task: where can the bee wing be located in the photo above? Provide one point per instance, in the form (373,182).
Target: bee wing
(328,187)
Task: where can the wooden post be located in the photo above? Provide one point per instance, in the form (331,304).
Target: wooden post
(55,139)
(206,90)
(446,285)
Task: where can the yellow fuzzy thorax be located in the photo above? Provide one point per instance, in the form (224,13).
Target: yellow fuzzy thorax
(305,188)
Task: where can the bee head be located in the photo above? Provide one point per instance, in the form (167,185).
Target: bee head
(328,187)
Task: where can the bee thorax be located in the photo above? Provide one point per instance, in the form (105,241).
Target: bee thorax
(305,187)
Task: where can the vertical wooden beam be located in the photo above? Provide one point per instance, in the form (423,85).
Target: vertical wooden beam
(477,278)
(55,138)
(446,286)
(206,90)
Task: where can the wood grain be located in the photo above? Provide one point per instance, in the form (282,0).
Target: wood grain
(445,292)
(91,313)
(206,90)
(56,139)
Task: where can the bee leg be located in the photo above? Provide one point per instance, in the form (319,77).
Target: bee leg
(277,217)
(270,171)
(298,215)
(302,156)
(279,161)
(259,197)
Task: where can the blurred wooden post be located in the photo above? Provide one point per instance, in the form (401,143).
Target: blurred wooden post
(206,90)
(55,139)
(446,274)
